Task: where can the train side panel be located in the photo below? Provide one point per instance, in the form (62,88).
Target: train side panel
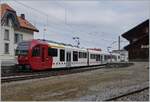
(94,57)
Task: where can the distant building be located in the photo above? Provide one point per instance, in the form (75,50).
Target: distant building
(13,30)
(138,38)
(123,54)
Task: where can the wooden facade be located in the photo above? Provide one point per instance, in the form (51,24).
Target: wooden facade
(138,38)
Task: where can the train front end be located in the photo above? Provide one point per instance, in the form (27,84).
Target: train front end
(22,52)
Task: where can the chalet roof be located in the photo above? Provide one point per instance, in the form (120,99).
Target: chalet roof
(23,23)
(136,29)
(143,39)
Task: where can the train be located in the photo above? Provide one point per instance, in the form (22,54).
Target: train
(37,54)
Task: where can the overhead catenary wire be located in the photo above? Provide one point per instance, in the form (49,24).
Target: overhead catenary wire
(67,25)
(87,33)
(52,25)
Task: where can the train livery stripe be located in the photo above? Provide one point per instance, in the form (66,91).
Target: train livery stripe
(56,46)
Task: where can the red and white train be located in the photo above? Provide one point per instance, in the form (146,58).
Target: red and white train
(42,55)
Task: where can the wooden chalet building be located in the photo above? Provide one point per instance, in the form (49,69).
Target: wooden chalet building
(138,38)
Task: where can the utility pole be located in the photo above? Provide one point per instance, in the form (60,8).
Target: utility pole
(118,42)
(44,32)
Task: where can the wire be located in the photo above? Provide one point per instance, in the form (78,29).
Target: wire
(80,29)
(67,25)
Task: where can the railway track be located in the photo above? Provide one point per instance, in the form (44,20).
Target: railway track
(35,75)
(127,94)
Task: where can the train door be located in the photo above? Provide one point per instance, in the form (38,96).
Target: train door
(43,54)
(46,60)
(88,58)
(68,59)
(36,57)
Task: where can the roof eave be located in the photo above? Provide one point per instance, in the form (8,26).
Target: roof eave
(36,30)
(129,32)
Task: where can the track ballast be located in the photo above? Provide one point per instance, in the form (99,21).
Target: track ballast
(48,73)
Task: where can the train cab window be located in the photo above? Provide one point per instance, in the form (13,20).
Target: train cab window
(52,52)
(75,56)
(36,51)
(62,55)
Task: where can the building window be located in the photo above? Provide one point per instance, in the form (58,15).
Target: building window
(52,52)
(18,38)
(75,56)
(6,34)
(7,22)
(6,48)
(62,55)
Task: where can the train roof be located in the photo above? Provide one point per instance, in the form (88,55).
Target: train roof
(54,44)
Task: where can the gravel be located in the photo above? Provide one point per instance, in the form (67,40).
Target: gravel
(107,93)
(141,96)
(95,85)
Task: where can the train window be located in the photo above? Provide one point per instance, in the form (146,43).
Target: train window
(101,57)
(75,56)
(21,52)
(97,57)
(106,57)
(82,55)
(36,51)
(92,56)
(85,55)
(52,52)
(62,55)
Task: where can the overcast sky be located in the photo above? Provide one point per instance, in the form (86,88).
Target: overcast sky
(97,23)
